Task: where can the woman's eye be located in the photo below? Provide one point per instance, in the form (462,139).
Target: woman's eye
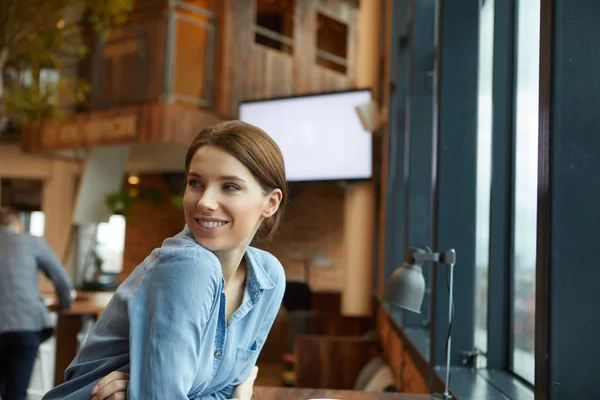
(193,183)
(231,187)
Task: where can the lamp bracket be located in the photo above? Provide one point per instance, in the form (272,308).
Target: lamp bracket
(448,257)
(445,257)
(422,257)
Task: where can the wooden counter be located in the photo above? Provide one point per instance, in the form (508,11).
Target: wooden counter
(87,306)
(276,393)
(86,303)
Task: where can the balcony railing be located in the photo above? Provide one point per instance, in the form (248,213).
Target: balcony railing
(161,55)
(181,79)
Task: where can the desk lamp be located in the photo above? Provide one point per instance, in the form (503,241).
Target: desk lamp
(406,286)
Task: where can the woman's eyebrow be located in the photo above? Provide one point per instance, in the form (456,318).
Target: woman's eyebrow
(221,178)
(231,178)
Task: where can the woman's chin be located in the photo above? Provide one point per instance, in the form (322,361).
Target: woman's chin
(209,244)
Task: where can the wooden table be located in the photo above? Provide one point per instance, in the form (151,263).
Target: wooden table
(87,305)
(277,393)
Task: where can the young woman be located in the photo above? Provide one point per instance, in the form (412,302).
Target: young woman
(191,319)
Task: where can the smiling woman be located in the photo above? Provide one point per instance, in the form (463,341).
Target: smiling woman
(256,151)
(191,319)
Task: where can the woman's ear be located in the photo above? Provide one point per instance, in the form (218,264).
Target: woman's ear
(273,201)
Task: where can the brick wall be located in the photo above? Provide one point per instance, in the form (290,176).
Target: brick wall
(149,224)
(312,227)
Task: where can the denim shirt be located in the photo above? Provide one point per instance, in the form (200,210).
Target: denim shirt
(166,326)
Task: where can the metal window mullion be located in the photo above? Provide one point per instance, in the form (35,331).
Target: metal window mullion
(510,295)
(454,210)
(502,188)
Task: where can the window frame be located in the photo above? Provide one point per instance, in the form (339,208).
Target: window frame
(501,270)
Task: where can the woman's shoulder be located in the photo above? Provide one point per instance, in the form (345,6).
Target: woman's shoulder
(182,253)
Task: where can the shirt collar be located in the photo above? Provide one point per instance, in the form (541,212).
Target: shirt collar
(257,278)
(257,270)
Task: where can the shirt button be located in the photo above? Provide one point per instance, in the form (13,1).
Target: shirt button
(217,354)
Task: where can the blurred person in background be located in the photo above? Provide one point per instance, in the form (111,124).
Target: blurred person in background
(24,319)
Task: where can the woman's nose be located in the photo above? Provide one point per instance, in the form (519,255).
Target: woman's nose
(208,200)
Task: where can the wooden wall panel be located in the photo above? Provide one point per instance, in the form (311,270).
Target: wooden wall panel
(338,9)
(407,376)
(224,56)
(331,362)
(244,12)
(269,74)
(248,71)
(326,80)
(394,356)
(412,380)
(155,30)
(347,13)
(189,62)
(131,64)
(304,45)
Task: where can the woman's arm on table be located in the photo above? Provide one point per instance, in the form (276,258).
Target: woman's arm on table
(116,382)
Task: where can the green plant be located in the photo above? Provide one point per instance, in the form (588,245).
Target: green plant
(154,196)
(98,262)
(119,202)
(177,202)
(39,41)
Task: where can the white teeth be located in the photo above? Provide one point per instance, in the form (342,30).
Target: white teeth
(211,224)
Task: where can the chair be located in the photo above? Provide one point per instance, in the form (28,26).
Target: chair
(297,301)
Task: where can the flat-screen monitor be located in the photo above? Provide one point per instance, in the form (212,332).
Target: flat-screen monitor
(320,135)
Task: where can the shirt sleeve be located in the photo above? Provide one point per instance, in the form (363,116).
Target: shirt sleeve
(168,315)
(50,265)
(224,394)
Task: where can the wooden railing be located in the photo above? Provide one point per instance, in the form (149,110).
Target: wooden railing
(160,55)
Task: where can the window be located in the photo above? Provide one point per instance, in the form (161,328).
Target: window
(484,172)
(33,222)
(525,191)
(275,24)
(111,243)
(332,44)
(47,80)
(36,223)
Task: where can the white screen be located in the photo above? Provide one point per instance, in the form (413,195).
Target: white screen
(320,136)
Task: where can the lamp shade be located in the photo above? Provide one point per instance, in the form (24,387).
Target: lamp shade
(406,286)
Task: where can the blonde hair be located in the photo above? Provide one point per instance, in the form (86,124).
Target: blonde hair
(8,217)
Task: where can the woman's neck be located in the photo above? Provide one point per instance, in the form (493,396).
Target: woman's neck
(231,261)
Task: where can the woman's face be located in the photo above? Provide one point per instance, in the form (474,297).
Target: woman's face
(223,203)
